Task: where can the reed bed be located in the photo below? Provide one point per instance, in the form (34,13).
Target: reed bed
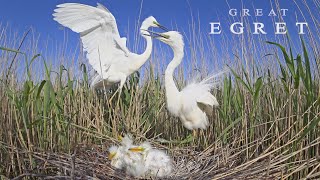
(266,127)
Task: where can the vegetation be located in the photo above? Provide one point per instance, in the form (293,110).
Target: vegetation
(267,124)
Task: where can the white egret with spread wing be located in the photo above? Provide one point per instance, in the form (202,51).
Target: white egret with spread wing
(194,102)
(106,50)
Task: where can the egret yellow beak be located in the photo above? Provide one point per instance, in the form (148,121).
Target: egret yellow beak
(160,26)
(111,156)
(136,149)
(158,35)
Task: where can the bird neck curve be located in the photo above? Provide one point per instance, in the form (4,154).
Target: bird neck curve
(142,58)
(147,52)
(177,58)
(170,86)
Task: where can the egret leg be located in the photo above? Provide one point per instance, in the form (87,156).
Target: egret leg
(113,95)
(118,91)
(123,80)
(119,96)
(195,134)
(95,81)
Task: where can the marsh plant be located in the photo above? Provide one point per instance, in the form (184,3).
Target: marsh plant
(269,102)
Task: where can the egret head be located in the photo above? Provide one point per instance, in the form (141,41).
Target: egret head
(126,141)
(172,38)
(150,22)
(116,157)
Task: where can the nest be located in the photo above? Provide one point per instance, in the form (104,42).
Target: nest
(90,161)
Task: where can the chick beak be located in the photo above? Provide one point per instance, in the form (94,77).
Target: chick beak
(111,156)
(136,149)
(120,138)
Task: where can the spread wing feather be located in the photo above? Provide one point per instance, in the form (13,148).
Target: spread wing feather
(198,95)
(98,31)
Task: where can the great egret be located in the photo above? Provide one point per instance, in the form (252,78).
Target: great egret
(106,50)
(193,102)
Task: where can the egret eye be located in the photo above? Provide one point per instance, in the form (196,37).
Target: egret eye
(165,36)
(156,23)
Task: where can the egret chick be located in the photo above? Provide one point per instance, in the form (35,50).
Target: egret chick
(127,141)
(157,162)
(135,161)
(119,155)
(134,164)
(116,156)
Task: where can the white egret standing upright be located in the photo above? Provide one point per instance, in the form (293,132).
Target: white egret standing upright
(193,102)
(106,50)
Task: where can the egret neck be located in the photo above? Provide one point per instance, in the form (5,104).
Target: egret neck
(172,91)
(142,58)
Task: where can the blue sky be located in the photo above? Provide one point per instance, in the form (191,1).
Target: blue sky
(38,13)
(21,15)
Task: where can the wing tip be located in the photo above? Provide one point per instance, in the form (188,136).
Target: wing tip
(67,4)
(101,6)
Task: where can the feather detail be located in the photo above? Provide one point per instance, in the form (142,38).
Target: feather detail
(98,31)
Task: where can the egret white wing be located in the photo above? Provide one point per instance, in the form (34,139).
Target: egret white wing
(206,102)
(200,92)
(81,17)
(102,7)
(197,94)
(122,42)
(98,30)
(101,49)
